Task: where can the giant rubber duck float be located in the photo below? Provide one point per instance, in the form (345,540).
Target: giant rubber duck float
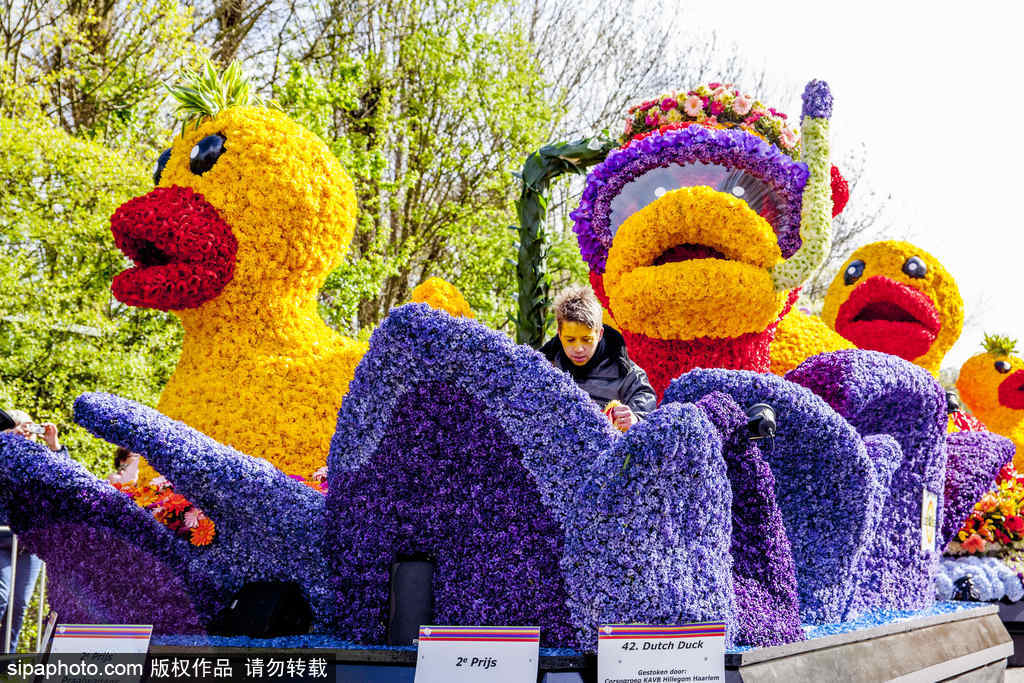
(530,506)
(700,226)
(895,297)
(889,296)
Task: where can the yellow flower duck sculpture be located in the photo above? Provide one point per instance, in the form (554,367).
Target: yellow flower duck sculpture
(992,386)
(250,213)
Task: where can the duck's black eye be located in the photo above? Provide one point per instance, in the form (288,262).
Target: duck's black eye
(206,152)
(160,163)
(1002,366)
(915,267)
(853,272)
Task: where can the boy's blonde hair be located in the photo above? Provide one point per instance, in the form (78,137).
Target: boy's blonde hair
(578,304)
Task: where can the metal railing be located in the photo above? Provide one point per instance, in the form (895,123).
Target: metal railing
(11,592)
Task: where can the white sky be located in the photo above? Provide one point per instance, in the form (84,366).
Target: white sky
(936,92)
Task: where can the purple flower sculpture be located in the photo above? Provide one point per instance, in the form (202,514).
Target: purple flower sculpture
(973,459)
(883,394)
(92,537)
(457,444)
(826,485)
(648,540)
(763,574)
(734,148)
(276,543)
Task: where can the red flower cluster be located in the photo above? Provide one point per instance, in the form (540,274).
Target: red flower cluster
(840,192)
(183,251)
(172,510)
(965,422)
(885,315)
(997,517)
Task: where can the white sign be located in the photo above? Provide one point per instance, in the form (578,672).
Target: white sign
(478,654)
(929,510)
(107,653)
(692,653)
(101,639)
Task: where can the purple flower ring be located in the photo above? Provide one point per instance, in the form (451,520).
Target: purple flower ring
(883,394)
(815,455)
(732,148)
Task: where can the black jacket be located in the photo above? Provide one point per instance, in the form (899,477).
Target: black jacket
(609,375)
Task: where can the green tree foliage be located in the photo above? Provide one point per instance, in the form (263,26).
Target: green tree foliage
(61,331)
(431,105)
(95,69)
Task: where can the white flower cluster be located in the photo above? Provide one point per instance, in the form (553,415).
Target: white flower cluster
(991,577)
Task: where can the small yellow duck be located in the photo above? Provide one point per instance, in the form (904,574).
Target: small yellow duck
(992,386)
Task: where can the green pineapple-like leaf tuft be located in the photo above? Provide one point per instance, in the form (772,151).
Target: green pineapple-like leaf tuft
(207,92)
(999,345)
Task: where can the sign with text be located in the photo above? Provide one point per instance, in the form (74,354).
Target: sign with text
(100,638)
(637,653)
(929,511)
(502,654)
(104,652)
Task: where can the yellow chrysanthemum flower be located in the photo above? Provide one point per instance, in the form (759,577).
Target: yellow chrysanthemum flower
(800,336)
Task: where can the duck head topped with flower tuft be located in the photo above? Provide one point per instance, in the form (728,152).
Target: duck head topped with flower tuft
(699,227)
(250,214)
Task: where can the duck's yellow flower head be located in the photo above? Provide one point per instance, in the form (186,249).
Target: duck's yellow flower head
(250,210)
(700,228)
(992,385)
(895,297)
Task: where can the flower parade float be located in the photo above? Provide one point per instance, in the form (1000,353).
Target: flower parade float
(455,446)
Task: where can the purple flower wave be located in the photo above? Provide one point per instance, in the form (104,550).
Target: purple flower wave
(825,484)
(973,459)
(763,573)
(880,394)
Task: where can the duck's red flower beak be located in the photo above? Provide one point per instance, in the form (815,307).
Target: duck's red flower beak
(183,251)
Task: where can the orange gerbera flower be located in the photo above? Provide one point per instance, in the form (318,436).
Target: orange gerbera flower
(176,502)
(974,544)
(203,533)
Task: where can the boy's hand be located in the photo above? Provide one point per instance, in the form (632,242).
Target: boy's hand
(622,417)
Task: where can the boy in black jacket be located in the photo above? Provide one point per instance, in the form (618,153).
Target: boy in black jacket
(594,355)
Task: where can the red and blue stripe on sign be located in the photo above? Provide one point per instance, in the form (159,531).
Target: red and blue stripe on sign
(704,629)
(96,631)
(481,634)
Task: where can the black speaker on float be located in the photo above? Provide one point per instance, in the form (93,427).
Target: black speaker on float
(265,609)
(411,602)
